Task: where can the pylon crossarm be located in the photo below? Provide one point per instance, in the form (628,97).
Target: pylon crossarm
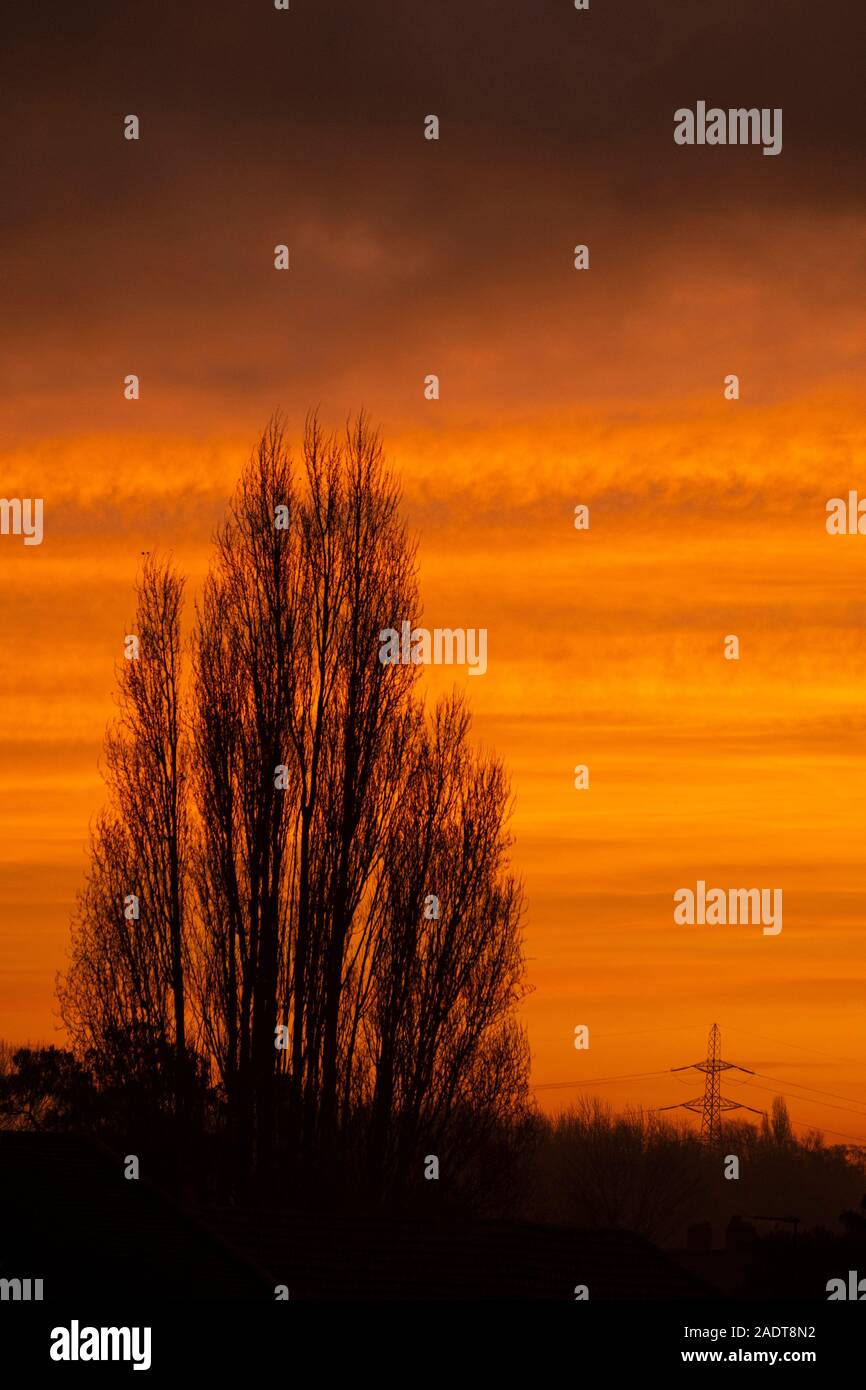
(725,1104)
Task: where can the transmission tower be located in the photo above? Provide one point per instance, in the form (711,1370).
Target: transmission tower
(711,1104)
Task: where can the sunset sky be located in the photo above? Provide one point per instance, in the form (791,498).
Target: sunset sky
(558,387)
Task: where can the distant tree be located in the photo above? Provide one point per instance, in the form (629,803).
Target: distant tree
(635,1171)
(777,1129)
(854,1221)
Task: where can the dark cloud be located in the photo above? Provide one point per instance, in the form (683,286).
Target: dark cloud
(338,91)
(261,126)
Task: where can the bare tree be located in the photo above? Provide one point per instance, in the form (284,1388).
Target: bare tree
(126,982)
(246,657)
(312,808)
(361,568)
(635,1171)
(446,967)
(288,678)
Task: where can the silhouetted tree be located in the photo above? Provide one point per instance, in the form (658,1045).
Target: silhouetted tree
(124,992)
(283,834)
(440,1043)
(636,1170)
(777,1129)
(43,1088)
(311,884)
(246,660)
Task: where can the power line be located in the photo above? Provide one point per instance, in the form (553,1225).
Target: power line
(786,1084)
(857,1140)
(803,1087)
(712,1103)
(594,1080)
(777,1042)
(641,1032)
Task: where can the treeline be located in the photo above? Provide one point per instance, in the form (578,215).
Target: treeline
(297,952)
(588,1167)
(638,1170)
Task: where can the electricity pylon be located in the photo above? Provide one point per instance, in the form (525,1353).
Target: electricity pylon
(712,1103)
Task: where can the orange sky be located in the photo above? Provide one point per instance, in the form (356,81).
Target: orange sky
(558,387)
